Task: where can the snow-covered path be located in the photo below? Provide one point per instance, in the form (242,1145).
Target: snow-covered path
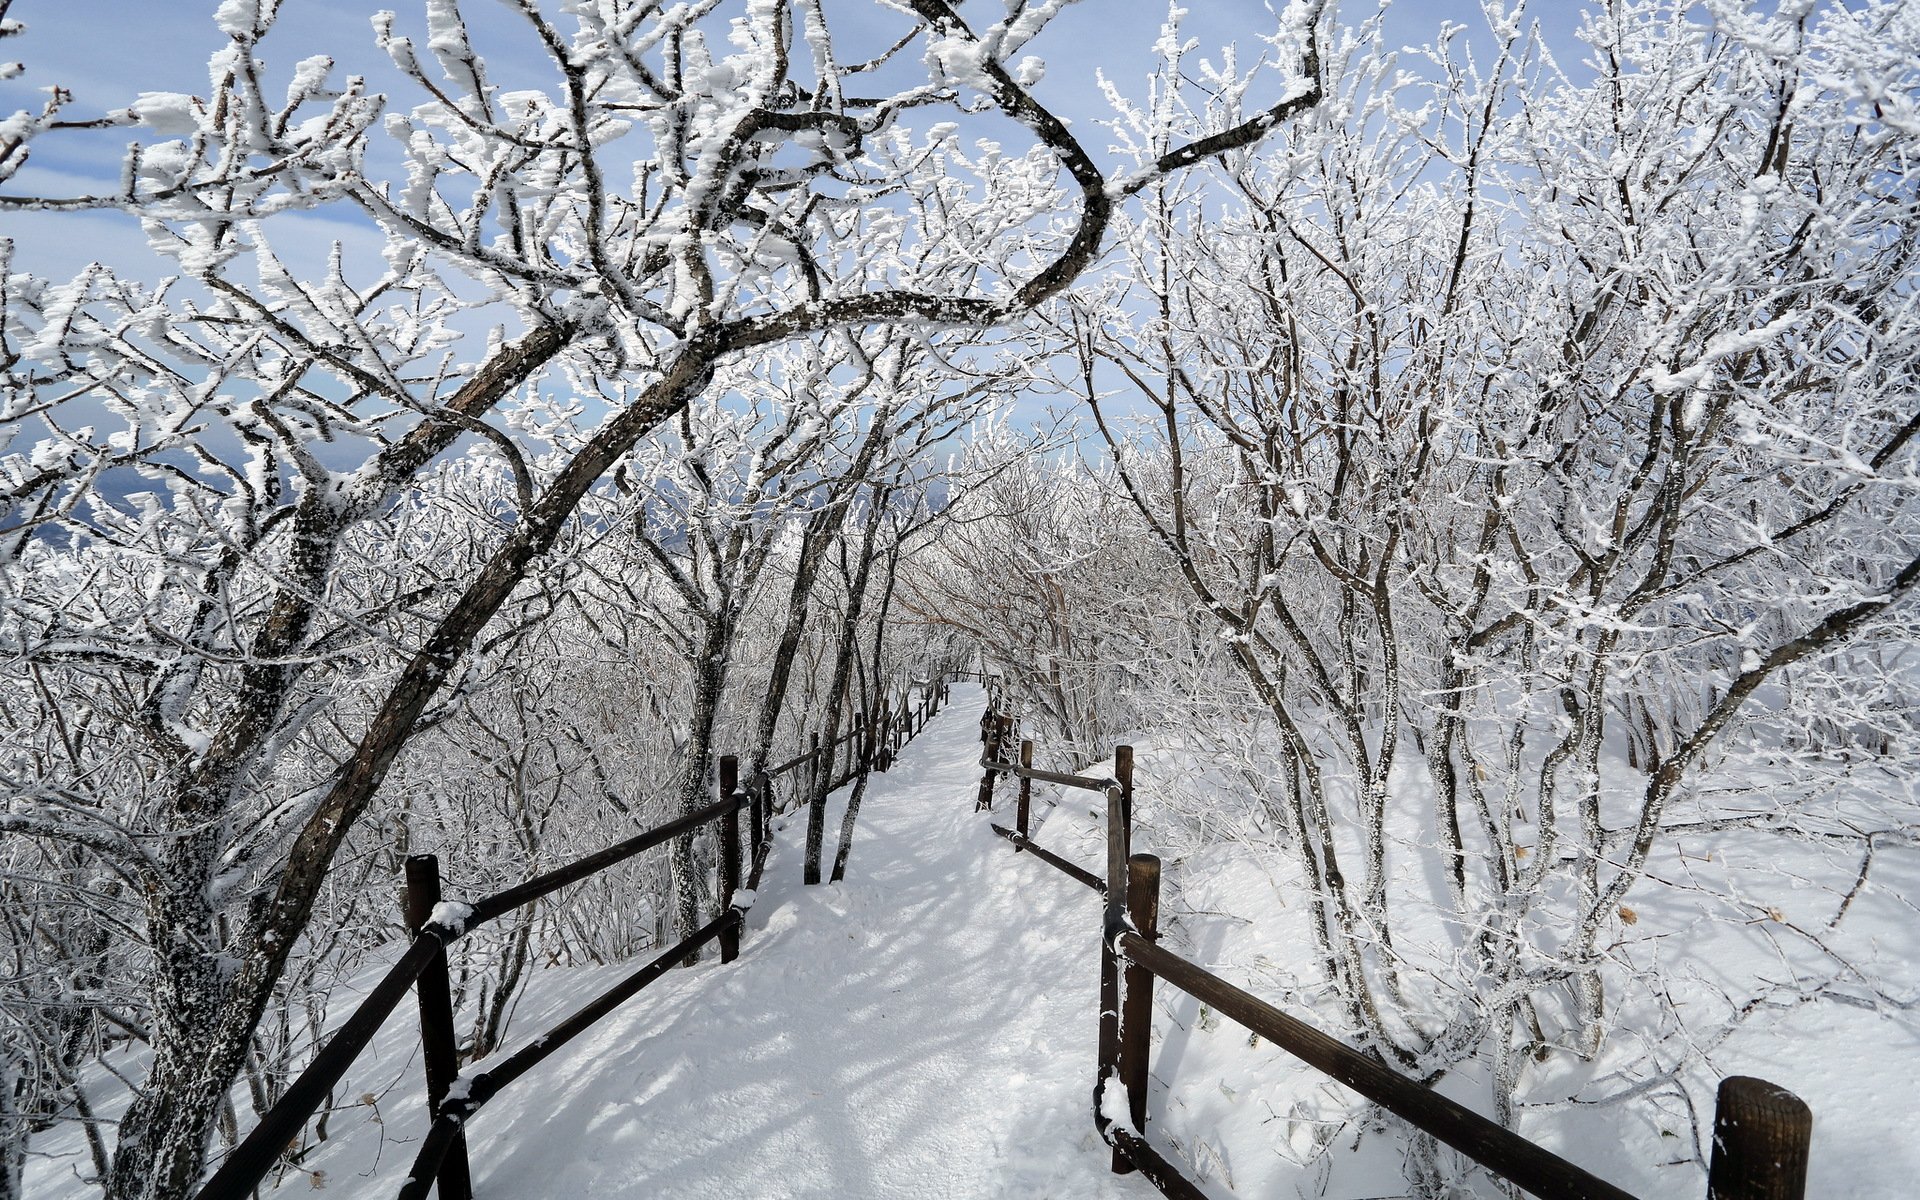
(924,1030)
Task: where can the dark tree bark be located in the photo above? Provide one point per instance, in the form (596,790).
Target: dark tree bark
(837,691)
(879,650)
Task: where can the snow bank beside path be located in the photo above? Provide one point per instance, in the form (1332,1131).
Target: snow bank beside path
(1239,1112)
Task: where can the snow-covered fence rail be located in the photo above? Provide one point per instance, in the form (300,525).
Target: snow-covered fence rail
(438,924)
(997,735)
(1762,1131)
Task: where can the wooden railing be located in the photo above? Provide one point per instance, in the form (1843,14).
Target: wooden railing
(1761,1131)
(452,1099)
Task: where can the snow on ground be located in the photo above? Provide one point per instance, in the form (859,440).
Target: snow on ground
(926,1030)
(923,1030)
(1249,1120)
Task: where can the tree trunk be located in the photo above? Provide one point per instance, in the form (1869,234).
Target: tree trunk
(204,1012)
(13,1134)
(843,661)
(813,552)
(879,650)
(709,682)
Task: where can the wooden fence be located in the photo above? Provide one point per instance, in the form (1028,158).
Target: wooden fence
(1761,1131)
(453,1099)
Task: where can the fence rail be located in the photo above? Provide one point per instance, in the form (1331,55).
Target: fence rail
(1761,1131)
(435,924)
(444,1134)
(1072,871)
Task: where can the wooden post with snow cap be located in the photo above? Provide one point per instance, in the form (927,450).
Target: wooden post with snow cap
(729,853)
(1761,1136)
(1136,1004)
(440,1056)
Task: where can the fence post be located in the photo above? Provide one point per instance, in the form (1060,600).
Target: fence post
(729,854)
(769,801)
(438,1053)
(1123,771)
(1026,790)
(816,811)
(813,765)
(1136,1007)
(1761,1135)
(758,802)
(1113,920)
(997,729)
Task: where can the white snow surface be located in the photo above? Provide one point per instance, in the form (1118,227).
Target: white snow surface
(923,1030)
(451,914)
(926,1030)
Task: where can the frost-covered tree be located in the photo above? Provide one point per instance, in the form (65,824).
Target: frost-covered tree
(190,461)
(775,453)
(1518,439)
(1044,568)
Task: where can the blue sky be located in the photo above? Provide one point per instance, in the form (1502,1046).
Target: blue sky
(108,51)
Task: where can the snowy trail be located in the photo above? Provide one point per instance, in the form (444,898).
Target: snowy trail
(924,1030)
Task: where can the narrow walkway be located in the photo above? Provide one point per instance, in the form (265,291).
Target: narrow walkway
(923,1031)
